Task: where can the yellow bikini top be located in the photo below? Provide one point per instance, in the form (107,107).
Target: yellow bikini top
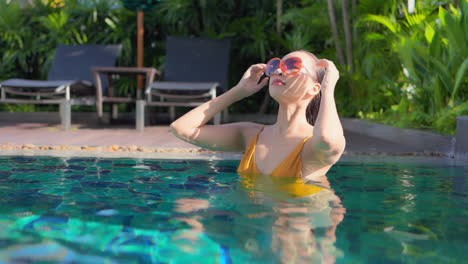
(286,177)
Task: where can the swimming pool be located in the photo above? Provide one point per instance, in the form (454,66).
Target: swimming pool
(96,210)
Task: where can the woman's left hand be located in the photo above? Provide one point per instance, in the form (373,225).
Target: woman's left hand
(331,76)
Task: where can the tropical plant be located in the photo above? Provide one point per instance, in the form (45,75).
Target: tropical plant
(398,68)
(373,85)
(431,47)
(29,34)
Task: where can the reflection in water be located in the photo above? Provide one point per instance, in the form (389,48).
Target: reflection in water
(124,211)
(283,219)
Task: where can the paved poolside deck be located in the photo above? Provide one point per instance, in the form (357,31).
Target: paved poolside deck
(126,138)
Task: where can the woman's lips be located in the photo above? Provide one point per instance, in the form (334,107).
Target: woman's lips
(278,82)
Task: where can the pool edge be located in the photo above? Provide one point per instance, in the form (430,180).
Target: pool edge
(200,154)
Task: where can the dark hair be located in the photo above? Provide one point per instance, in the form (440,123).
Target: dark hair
(314,104)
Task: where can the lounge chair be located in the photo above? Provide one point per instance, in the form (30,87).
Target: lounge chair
(70,79)
(195,70)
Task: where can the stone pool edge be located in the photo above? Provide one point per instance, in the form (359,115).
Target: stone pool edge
(114,151)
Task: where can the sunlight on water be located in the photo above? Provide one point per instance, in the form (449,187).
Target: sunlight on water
(92,210)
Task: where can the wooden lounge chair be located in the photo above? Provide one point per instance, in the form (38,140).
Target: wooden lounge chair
(70,79)
(196,70)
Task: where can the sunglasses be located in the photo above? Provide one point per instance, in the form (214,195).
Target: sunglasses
(289,66)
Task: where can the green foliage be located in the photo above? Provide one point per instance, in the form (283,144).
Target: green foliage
(431,49)
(30,34)
(374,85)
(410,70)
(307,27)
(137,5)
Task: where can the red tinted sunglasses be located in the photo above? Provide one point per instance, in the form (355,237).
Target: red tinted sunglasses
(290,66)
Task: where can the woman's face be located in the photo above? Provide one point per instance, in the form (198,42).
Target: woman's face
(293,88)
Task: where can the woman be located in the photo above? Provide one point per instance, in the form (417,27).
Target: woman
(307,138)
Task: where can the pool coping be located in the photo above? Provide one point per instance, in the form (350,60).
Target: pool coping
(201,154)
(122,152)
(117,152)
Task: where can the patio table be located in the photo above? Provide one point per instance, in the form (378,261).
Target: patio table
(111,73)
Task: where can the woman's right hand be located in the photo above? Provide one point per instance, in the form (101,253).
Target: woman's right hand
(331,76)
(248,83)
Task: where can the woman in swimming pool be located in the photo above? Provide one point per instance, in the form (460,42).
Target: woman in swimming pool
(307,138)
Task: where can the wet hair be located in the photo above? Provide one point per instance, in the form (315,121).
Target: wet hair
(314,104)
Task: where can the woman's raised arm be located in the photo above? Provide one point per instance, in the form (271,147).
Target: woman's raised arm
(191,126)
(328,142)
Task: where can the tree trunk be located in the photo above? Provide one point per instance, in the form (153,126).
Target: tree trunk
(348,36)
(354,14)
(279,13)
(140,45)
(334,27)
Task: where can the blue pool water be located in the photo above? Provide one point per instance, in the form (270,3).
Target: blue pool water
(92,210)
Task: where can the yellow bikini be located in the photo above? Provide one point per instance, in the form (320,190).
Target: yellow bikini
(286,177)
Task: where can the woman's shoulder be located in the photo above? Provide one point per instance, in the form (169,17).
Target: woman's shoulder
(249,127)
(249,130)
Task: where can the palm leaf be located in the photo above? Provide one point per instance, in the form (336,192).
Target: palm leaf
(455,33)
(429,33)
(387,22)
(441,70)
(459,78)
(435,45)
